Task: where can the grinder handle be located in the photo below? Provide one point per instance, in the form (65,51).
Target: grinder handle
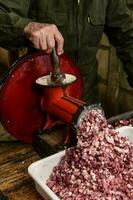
(57,78)
(55,62)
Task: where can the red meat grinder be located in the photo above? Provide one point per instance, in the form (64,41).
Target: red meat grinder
(40,101)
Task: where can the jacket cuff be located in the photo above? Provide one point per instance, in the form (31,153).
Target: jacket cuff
(22,23)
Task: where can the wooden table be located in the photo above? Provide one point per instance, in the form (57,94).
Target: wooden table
(15,157)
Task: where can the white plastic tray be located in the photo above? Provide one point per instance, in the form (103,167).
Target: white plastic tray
(41,170)
(126,131)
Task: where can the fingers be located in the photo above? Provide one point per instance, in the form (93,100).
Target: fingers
(44,37)
(42,42)
(50,42)
(60,43)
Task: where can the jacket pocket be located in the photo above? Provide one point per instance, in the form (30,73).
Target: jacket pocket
(96,24)
(96,19)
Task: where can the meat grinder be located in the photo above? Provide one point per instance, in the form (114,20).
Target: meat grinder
(41,94)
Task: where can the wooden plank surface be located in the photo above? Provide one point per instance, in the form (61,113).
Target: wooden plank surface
(15,157)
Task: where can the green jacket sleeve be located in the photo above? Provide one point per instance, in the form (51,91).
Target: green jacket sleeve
(119,29)
(13,19)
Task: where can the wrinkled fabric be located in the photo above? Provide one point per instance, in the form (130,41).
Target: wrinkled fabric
(81,24)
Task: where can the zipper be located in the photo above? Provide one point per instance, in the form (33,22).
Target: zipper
(77,25)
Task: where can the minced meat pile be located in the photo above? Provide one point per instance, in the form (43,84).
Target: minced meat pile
(123,122)
(100,167)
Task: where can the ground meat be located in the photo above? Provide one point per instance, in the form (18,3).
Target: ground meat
(123,122)
(100,167)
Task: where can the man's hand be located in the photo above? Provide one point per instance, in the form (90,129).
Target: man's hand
(44,37)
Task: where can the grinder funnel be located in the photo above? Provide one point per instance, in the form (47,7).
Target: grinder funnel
(47,80)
